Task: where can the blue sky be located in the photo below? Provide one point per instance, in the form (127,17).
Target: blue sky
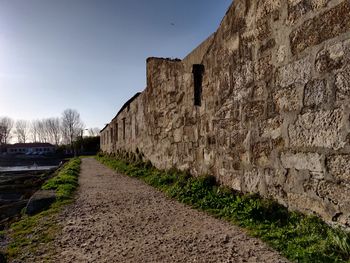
(90,55)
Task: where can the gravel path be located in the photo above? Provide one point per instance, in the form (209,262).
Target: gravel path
(120,219)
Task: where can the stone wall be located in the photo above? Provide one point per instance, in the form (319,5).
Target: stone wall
(274,114)
(196,56)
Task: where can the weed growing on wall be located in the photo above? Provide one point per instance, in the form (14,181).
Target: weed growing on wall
(298,237)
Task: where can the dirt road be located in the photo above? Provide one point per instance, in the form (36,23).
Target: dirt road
(120,219)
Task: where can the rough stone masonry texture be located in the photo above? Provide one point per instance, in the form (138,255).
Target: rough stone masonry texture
(274,106)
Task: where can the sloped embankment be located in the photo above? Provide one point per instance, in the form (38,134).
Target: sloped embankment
(15,191)
(32,235)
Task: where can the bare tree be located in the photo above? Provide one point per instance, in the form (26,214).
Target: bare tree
(53,128)
(72,126)
(34,130)
(22,131)
(39,131)
(93,132)
(42,131)
(6,125)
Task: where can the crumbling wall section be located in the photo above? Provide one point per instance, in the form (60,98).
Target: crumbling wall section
(274,114)
(196,56)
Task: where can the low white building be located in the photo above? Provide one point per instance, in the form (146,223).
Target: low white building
(30,148)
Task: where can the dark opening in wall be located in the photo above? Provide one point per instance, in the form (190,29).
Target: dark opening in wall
(116,132)
(198,70)
(123,128)
(130,127)
(136,128)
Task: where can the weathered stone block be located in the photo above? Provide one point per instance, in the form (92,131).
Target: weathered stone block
(275,179)
(226,112)
(330,58)
(271,128)
(237,137)
(328,25)
(252,180)
(317,4)
(178,133)
(261,152)
(310,186)
(303,161)
(223,139)
(268,45)
(336,193)
(254,110)
(232,44)
(342,83)
(281,53)
(344,218)
(266,7)
(298,8)
(309,204)
(339,167)
(318,129)
(296,181)
(208,158)
(263,30)
(288,99)
(245,159)
(230,178)
(190,133)
(315,93)
(263,68)
(245,50)
(297,72)
(259,91)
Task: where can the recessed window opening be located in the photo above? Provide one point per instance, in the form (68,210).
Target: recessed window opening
(198,70)
(116,132)
(123,128)
(136,128)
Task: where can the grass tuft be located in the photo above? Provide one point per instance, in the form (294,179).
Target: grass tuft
(298,237)
(66,181)
(341,242)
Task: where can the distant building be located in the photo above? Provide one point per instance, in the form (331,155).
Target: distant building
(30,148)
(3,148)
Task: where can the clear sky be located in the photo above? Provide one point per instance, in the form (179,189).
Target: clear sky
(90,55)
